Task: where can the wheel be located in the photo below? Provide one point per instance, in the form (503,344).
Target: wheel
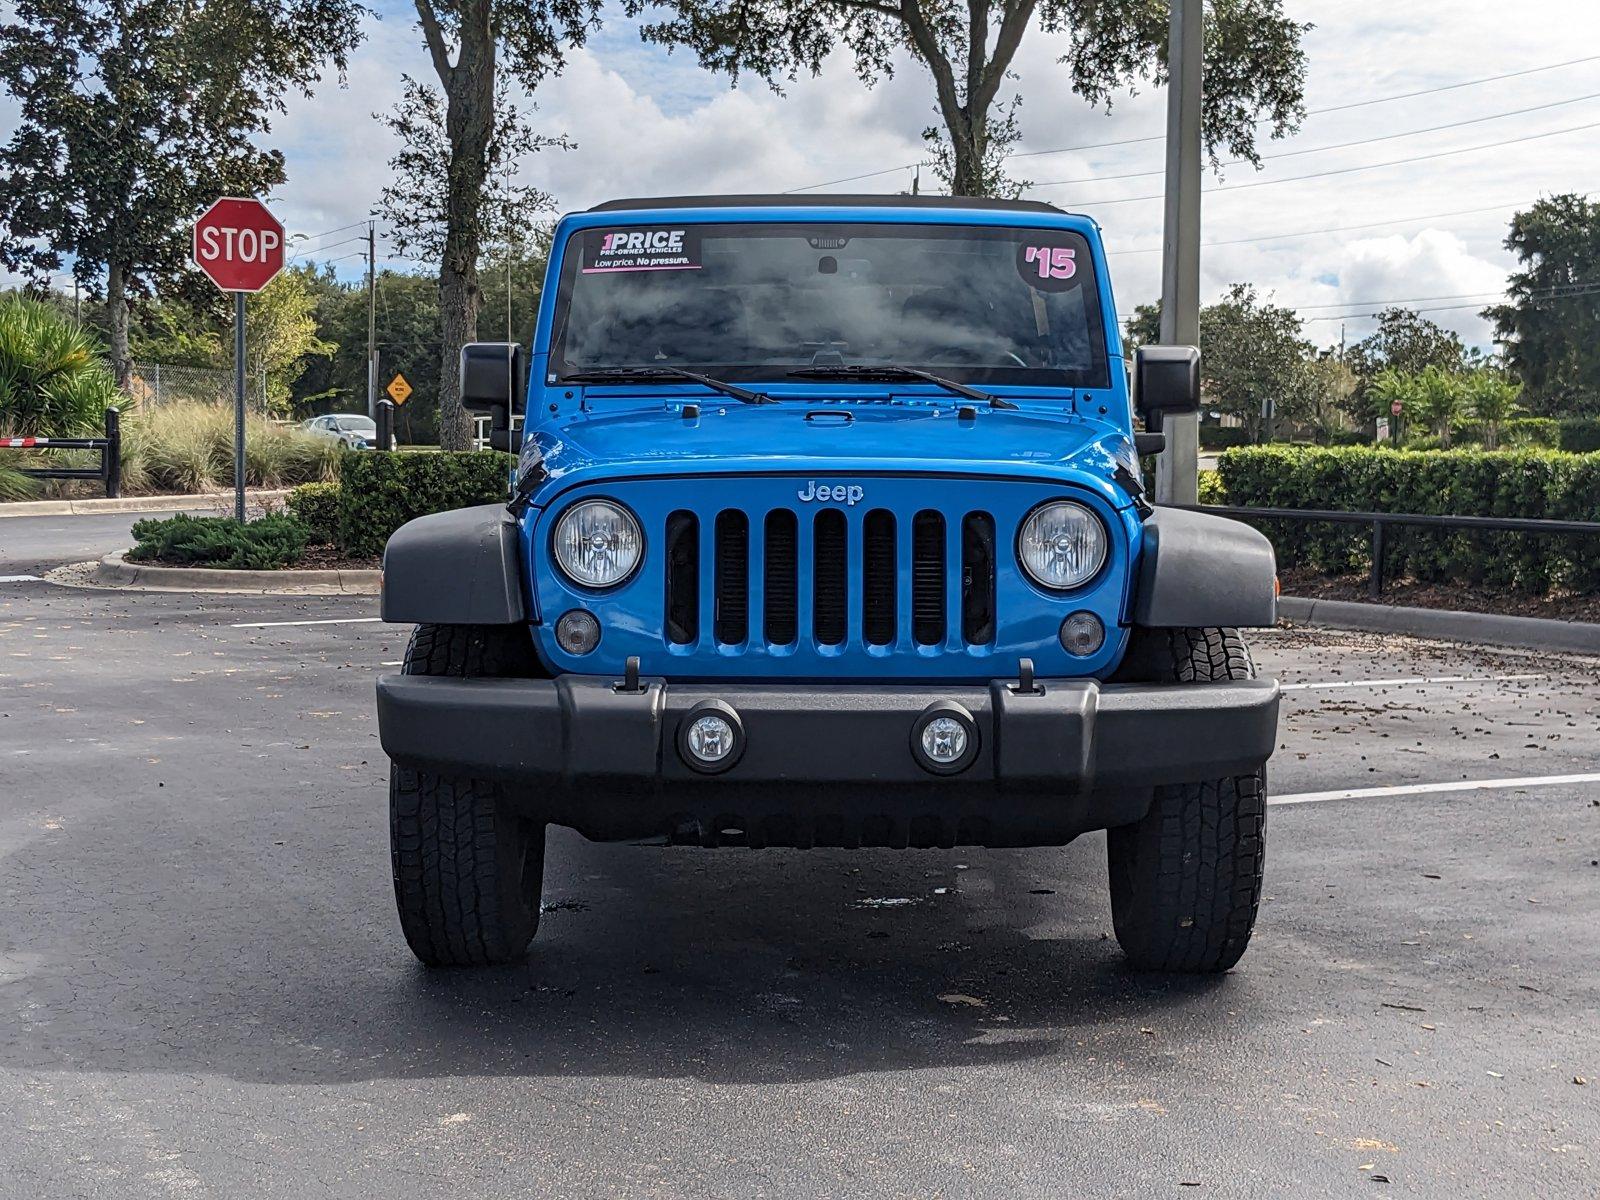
(468,869)
(1186,879)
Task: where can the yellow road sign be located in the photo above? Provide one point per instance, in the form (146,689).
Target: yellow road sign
(398,389)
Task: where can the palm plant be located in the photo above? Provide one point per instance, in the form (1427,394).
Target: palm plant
(1493,397)
(53,380)
(1391,387)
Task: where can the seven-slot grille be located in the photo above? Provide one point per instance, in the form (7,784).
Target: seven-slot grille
(824,578)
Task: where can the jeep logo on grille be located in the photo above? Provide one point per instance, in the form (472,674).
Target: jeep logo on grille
(839,493)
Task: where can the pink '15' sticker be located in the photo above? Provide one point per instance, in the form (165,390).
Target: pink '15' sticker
(1052,262)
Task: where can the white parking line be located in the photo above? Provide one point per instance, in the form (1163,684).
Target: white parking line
(1422,789)
(19,579)
(1418,680)
(330,621)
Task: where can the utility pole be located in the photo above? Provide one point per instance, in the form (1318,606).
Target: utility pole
(1178,466)
(372,320)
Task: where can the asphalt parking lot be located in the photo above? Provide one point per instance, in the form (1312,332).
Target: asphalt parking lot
(204,991)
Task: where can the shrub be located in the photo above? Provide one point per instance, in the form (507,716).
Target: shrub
(379,492)
(1222,437)
(266,544)
(53,382)
(1530,432)
(16,486)
(1506,483)
(1579,435)
(1211,489)
(316,506)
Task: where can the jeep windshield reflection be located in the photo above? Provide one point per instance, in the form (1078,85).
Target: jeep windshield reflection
(977,304)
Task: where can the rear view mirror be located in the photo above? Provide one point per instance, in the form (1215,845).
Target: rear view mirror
(491,382)
(1166,380)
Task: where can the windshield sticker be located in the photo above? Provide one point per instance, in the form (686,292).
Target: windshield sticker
(1048,268)
(619,250)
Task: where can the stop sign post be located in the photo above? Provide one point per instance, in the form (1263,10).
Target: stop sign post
(240,247)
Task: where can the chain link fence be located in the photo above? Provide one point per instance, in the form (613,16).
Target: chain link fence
(155,384)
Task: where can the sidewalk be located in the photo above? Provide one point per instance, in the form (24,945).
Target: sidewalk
(221,502)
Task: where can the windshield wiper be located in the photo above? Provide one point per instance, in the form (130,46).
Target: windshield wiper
(891,372)
(647,374)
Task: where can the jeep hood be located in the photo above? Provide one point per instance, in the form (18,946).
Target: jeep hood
(817,439)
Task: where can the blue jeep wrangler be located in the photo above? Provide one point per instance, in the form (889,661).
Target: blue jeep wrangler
(828,530)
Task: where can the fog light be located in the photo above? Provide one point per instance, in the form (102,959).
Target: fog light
(578,631)
(1082,634)
(711,737)
(944,739)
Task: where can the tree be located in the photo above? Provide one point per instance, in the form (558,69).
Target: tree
(530,35)
(1551,327)
(281,334)
(1323,395)
(1250,352)
(1255,67)
(1441,398)
(1407,342)
(136,115)
(1492,397)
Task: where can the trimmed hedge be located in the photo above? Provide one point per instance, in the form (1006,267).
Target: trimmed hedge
(380,492)
(264,545)
(1505,483)
(317,507)
(1579,435)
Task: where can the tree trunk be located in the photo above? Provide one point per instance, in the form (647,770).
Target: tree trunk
(966,144)
(117,314)
(469,124)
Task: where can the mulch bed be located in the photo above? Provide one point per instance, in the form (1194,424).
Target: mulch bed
(1562,606)
(331,558)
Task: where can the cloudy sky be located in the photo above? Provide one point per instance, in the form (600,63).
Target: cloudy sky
(646,122)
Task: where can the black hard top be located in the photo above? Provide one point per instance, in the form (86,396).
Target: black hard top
(829,201)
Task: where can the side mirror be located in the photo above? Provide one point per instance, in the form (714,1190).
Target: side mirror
(1166,380)
(491,382)
(489,372)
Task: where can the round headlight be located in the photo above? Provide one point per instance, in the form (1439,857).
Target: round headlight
(1062,545)
(598,543)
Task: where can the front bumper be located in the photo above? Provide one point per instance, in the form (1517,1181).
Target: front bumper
(828,764)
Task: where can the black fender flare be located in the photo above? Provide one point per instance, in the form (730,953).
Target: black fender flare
(1198,569)
(455,568)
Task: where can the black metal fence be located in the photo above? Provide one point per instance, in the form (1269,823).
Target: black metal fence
(1378,522)
(109,472)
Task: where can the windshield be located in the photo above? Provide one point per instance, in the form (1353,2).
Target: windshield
(978,304)
(358,424)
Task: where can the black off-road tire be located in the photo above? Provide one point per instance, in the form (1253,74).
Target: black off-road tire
(1186,879)
(468,869)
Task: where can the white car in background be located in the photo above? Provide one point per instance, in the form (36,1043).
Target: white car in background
(354,430)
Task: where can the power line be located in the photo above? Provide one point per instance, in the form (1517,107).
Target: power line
(1398,162)
(326,232)
(330,246)
(1157,137)
(1564,291)
(1450,87)
(1387,137)
(1278,237)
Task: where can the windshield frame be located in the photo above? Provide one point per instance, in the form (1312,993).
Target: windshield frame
(1002,224)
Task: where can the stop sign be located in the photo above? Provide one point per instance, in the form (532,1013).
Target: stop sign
(238,244)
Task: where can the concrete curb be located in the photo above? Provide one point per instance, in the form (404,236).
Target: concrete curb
(136,504)
(115,571)
(1495,629)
